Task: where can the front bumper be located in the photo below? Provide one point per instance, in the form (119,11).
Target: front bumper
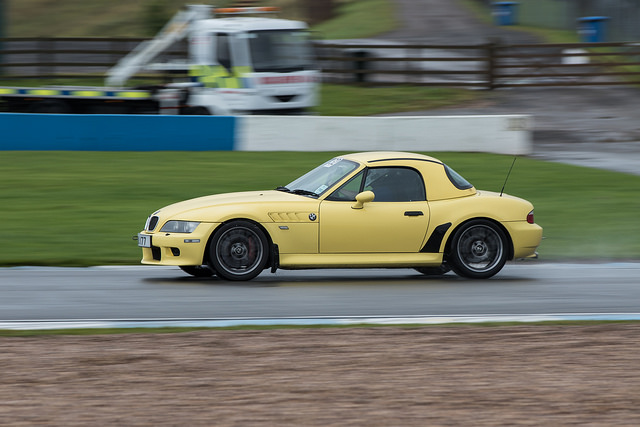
(178,248)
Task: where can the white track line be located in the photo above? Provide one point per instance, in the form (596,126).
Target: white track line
(307,321)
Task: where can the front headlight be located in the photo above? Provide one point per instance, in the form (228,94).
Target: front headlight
(179,226)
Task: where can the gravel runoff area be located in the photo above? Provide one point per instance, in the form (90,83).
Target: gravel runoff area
(384,376)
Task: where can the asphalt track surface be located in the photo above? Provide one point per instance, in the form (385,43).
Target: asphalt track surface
(160,296)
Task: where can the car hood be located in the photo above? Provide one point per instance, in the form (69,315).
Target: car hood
(270,198)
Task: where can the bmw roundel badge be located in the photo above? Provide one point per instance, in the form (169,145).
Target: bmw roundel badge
(312,216)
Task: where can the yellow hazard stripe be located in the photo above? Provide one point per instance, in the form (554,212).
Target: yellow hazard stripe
(218,76)
(81,93)
(132,95)
(230,83)
(242,70)
(88,93)
(43,92)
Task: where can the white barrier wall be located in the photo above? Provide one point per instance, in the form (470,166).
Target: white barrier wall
(507,134)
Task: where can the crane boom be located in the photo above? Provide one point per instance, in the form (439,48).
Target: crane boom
(176,29)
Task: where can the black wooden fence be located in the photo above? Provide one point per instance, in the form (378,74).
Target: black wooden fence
(489,65)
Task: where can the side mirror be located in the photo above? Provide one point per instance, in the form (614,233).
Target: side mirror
(362,198)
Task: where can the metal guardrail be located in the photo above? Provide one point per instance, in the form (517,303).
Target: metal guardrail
(489,65)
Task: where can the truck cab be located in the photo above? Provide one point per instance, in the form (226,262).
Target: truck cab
(253,65)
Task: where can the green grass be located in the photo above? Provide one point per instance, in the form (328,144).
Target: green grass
(340,100)
(121,18)
(95,18)
(78,208)
(359,19)
(551,36)
(546,35)
(82,208)
(76,18)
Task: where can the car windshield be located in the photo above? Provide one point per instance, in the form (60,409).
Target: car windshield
(280,50)
(319,180)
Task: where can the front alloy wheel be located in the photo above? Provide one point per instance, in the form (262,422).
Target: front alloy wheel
(238,250)
(478,250)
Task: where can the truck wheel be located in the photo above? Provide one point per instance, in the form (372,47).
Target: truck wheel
(196,111)
(238,250)
(50,106)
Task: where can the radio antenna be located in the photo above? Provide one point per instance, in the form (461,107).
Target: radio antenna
(508,173)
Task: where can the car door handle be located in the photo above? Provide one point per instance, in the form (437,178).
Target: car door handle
(413,213)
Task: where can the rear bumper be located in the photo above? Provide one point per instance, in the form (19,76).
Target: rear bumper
(525,237)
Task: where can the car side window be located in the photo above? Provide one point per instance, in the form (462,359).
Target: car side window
(395,184)
(347,192)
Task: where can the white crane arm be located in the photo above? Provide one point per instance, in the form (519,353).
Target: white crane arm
(176,29)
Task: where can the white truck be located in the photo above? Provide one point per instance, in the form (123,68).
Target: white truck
(238,62)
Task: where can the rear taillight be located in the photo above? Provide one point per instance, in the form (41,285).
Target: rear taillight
(530,217)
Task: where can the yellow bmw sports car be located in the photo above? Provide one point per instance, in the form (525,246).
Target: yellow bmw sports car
(380,209)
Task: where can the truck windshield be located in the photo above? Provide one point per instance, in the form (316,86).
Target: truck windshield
(280,50)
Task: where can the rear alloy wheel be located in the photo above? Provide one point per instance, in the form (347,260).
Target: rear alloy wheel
(198,270)
(238,250)
(478,250)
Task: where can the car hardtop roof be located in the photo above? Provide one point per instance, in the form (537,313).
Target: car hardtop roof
(379,156)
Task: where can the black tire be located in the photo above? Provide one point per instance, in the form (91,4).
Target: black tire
(479,249)
(238,250)
(198,270)
(434,271)
(196,111)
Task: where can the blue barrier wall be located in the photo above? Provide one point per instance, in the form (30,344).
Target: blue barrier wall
(93,132)
(504,134)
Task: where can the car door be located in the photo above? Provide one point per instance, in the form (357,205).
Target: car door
(395,221)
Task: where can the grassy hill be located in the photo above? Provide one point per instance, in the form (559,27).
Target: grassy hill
(143,18)
(108,18)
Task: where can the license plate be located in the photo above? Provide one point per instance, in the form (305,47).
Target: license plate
(144,240)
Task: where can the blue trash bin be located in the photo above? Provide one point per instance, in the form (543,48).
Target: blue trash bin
(592,29)
(504,12)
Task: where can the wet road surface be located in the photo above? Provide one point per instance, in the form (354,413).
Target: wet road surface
(143,292)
